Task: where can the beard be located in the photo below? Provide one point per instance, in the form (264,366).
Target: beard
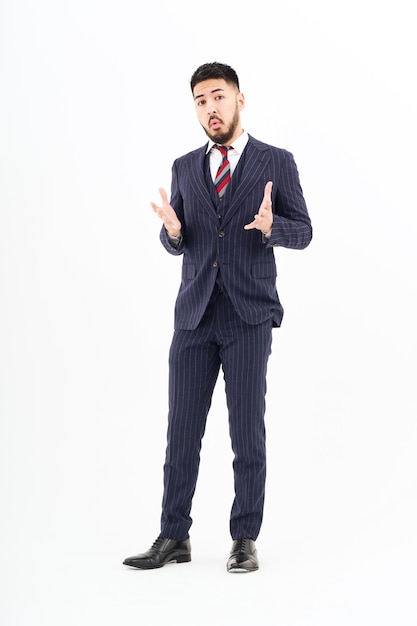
(223,137)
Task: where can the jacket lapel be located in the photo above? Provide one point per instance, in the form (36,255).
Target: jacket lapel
(198,183)
(256,160)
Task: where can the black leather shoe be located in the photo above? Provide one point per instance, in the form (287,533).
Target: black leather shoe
(163,551)
(243,556)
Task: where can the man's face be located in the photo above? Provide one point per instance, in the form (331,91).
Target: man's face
(218,105)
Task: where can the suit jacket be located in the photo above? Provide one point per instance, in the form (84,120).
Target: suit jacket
(214,240)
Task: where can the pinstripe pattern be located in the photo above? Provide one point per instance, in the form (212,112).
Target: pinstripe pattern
(226,306)
(211,244)
(242,350)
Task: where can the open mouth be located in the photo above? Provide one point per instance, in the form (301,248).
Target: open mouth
(214,123)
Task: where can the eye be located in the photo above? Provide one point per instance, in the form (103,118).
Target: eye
(200,102)
(219,97)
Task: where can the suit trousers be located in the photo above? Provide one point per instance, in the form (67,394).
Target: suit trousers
(222,339)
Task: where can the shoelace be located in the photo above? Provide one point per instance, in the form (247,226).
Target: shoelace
(241,545)
(157,543)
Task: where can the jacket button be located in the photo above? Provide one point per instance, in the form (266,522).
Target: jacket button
(221,233)
(215,264)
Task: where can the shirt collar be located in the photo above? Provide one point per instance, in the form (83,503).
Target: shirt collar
(238,145)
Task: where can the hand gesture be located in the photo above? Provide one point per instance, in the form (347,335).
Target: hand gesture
(264,218)
(167,215)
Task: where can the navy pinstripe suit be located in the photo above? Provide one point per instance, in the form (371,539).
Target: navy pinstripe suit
(226,307)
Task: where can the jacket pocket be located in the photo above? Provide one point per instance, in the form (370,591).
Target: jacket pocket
(264,270)
(188,271)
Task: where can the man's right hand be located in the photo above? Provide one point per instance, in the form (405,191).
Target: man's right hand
(167,215)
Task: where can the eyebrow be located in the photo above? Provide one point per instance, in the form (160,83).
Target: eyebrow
(213,91)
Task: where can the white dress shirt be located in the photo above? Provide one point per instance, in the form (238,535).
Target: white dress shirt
(233,156)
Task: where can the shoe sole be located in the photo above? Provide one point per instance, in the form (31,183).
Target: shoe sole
(183,558)
(242,570)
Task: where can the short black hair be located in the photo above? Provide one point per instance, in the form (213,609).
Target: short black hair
(214,70)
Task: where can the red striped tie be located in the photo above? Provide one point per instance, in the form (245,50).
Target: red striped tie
(223,173)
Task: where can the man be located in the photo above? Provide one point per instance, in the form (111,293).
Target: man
(231,202)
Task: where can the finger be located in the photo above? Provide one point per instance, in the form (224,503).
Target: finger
(163,195)
(268,190)
(250,226)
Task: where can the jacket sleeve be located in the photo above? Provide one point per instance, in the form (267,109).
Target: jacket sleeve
(177,204)
(291,227)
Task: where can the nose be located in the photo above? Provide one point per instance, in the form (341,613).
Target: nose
(212,108)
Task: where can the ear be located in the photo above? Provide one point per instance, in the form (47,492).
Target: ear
(241,101)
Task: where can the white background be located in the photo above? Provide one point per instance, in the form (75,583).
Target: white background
(95,105)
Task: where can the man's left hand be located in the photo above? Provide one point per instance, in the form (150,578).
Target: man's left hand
(264,218)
